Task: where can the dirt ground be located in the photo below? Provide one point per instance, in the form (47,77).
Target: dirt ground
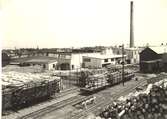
(67,111)
(104,95)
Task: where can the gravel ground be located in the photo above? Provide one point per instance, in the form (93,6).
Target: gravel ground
(36,107)
(105,95)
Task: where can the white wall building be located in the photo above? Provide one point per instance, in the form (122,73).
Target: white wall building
(99,61)
(132,55)
(77,60)
(47,64)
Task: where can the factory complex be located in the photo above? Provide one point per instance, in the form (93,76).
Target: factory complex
(100,82)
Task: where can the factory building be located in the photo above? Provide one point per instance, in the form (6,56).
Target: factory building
(5,59)
(99,61)
(153,59)
(46,63)
(132,55)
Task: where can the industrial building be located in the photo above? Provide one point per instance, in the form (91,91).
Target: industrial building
(99,61)
(46,63)
(132,55)
(5,59)
(153,59)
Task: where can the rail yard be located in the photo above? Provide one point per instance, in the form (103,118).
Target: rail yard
(71,59)
(91,93)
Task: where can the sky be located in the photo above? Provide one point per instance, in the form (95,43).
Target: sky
(79,23)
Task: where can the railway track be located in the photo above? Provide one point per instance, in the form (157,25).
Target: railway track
(66,92)
(70,101)
(74,100)
(56,106)
(104,103)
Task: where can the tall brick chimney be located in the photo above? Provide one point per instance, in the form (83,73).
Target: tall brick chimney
(131,25)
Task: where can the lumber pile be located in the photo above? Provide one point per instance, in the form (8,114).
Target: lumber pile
(26,88)
(93,78)
(116,77)
(155,79)
(148,104)
(97,80)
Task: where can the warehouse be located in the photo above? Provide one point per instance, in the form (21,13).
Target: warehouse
(45,62)
(5,59)
(153,59)
(99,61)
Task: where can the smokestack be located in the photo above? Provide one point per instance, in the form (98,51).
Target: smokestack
(131,25)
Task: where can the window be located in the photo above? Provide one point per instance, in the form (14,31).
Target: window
(112,59)
(44,66)
(87,60)
(72,66)
(105,60)
(54,65)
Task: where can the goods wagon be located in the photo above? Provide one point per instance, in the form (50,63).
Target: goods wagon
(6,98)
(18,93)
(95,82)
(116,77)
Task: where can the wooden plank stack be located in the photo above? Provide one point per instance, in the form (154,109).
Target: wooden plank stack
(93,80)
(20,89)
(96,81)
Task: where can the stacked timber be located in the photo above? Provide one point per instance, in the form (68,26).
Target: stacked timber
(20,89)
(92,77)
(93,81)
(149,104)
(96,81)
(116,77)
(155,79)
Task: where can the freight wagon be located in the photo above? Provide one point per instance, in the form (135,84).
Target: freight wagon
(18,95)
(96,82)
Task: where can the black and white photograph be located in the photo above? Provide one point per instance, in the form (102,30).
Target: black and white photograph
(83,59)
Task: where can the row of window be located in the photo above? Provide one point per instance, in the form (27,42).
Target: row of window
(106,60)
(87,60)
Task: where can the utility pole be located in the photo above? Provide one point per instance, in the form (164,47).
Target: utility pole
(123,62)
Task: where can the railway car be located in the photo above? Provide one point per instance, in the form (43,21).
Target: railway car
(18,93)
(6,98)
(91,84)
(29,95)
(95,82)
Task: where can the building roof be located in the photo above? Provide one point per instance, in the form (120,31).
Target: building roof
(159,49)
(38,59)
(99,56)
(133,48)
(152,61)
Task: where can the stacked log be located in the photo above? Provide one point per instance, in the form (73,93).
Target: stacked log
(21,89)
(93,78)
(116,77)
(91,81)
(151,104)
(95,81)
